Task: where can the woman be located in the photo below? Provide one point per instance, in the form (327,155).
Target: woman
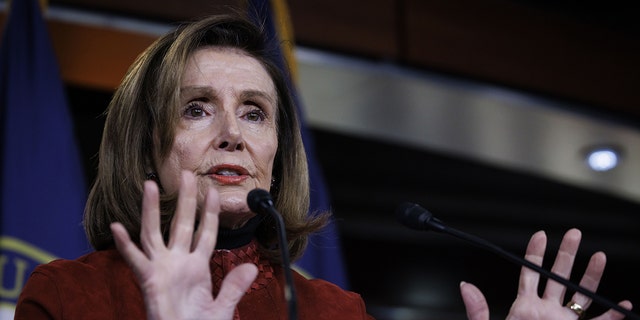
(202,117)
(208,100)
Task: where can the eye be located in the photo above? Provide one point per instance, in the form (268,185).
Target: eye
(254,111)
(255,115)
(194,110)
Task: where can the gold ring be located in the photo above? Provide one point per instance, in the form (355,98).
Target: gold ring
(576,308)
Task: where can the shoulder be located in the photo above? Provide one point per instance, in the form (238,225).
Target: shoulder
(85,270)
(83,274)
(319,297)
(61,286)
(90,262)
(319,286)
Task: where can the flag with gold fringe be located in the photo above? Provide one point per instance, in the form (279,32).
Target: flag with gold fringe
(323,257)
(42,192)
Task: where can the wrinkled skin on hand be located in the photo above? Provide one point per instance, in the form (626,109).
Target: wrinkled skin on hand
(175,278)
(551,305)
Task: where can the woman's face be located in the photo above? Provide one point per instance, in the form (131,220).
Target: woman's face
(227,133)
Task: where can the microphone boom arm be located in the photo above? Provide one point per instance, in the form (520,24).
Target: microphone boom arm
(545,273)
(416,217)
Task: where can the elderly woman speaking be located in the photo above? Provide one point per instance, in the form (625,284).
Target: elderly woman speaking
(201,118)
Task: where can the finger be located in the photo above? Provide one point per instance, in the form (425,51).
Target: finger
(150,234)
(474,302)
(563,264)
(613,314)
(136,258)
(235,284)
(529,279)
(182,225)
(207,233)
(591,278)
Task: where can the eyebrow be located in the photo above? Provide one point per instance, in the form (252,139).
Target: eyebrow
(197,89)
(212,92)
(257,93)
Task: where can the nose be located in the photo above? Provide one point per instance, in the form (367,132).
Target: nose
(229,135)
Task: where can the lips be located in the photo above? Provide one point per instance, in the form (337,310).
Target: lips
(229,174)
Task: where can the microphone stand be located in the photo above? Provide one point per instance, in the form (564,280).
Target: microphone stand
(428,222)
(260,201)
(289,290)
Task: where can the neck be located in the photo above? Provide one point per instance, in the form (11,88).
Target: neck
(234,238)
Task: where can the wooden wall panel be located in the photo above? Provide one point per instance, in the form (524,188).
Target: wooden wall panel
(368,28)
(512,43)
(93,57)
(160,10)
(524,47)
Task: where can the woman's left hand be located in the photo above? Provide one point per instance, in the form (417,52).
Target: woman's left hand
(528,304)
(175,279)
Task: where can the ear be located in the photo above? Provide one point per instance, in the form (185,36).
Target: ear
(149,165)
(152,157)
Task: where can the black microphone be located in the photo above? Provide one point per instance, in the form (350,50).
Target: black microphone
(419,218)
(260,202)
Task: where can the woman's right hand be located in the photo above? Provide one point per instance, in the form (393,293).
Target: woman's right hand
(175,279)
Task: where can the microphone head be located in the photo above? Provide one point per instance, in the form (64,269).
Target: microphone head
(258,200)
(413,216)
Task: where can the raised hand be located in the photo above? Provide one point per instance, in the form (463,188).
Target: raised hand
(175,279)
(528,304)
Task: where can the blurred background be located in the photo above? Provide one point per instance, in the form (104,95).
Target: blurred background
(482,111)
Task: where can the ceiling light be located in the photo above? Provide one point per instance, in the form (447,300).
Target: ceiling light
(603,158)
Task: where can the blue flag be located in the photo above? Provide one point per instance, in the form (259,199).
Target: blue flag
(323,257)
(42,192)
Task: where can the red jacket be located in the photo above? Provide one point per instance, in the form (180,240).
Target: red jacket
(100,285)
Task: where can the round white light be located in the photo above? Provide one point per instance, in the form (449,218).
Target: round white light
(602,159)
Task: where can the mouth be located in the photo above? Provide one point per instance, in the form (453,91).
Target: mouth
(228,174)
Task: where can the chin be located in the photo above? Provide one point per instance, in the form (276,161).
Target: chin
(234,201)
(234,211)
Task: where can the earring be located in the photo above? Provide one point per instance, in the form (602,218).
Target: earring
(274,186)
(154,176)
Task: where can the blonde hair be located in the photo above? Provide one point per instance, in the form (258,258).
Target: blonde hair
(141,121)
